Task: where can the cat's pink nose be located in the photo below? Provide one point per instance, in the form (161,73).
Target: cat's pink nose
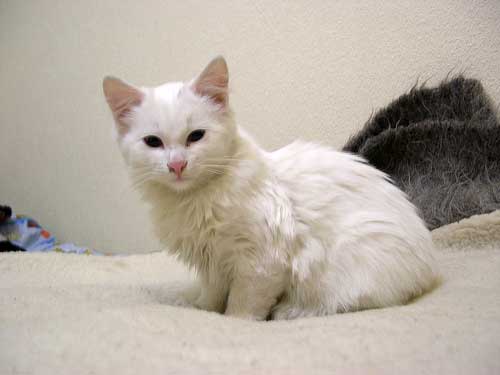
(177,167)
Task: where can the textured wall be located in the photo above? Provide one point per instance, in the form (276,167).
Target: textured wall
(311,69)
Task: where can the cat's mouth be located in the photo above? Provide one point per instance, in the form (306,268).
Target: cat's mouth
(179,182)
(179,179)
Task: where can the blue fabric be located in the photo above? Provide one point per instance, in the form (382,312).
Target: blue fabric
(26,233)
(29,235)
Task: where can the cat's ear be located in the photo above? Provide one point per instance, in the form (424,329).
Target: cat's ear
(213,82)
(121,97)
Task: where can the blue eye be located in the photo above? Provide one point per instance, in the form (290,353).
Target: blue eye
(153,141)
(195,136)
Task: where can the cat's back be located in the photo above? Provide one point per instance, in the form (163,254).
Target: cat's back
(340,189)
(315,168)
(308,158)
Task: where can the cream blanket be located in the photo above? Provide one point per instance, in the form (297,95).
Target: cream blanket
(75,314)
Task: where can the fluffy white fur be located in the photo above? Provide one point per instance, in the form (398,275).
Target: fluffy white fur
(301,231)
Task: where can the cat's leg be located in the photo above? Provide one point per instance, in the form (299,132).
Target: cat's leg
(253,297)
(365,276)
(211,299)
(213,295)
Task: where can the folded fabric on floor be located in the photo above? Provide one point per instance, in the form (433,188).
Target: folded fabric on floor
(441,146)
(22,233)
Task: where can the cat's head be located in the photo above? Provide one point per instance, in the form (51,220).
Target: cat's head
(178,134)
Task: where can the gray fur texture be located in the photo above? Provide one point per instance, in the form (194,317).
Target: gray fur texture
(441,146)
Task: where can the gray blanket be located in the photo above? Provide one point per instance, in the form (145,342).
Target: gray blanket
(441,146)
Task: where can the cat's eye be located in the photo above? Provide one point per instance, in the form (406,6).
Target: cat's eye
(153,141)
(195,136)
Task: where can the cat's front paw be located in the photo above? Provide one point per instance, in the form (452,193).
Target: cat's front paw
(203,302)
(183,301)
(186,297)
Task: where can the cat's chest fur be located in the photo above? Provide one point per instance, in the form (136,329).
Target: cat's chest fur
(223,224)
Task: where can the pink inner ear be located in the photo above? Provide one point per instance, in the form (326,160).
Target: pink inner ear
(121,106)
(213,82)
(121,97)
(215,88)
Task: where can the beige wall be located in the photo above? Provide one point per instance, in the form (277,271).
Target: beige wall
(308,69)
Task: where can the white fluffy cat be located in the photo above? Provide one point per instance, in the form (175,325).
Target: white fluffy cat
(301,231)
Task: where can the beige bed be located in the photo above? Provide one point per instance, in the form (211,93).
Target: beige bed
(77,314)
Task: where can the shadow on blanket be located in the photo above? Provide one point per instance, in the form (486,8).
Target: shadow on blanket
(441,146)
